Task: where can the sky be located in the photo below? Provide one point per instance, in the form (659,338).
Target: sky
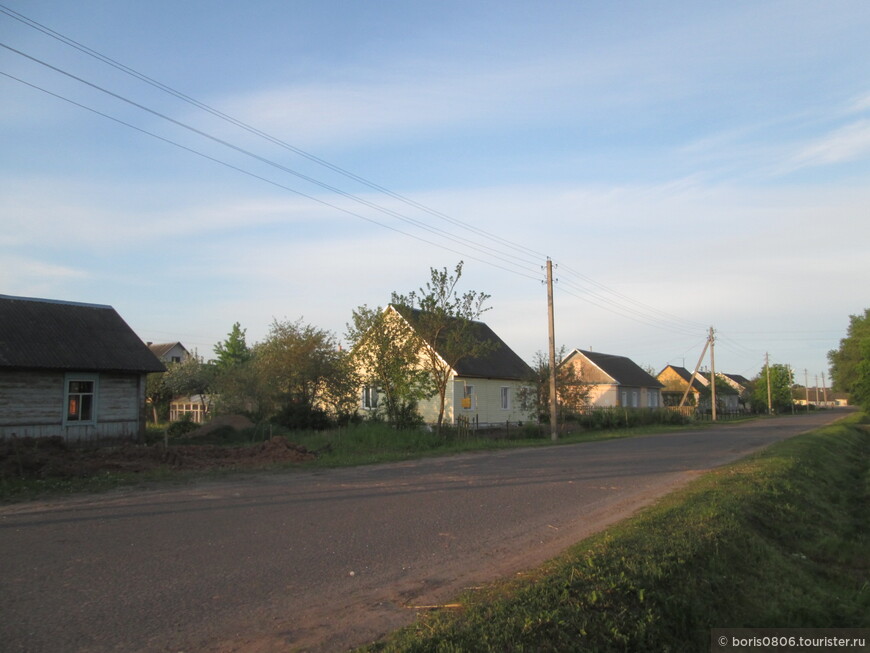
(684,165)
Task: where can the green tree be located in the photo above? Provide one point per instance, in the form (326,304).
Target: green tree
(386,353)
(781,381)
(572,393)
(240,389)
(445,320)
(232,351)
(157,396)
(302,372)
(850,364)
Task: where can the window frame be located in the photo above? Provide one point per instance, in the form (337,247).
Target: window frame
(505,397)
(69,395)
(468,393)
(370,398)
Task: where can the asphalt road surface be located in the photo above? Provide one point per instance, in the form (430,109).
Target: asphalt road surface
(323,560)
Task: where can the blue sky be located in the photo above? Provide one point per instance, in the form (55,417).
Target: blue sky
(684,164)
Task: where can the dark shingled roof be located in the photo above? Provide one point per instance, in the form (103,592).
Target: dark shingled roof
(683,373)
(738,378)
(57,335)
(500,363)
(623,370)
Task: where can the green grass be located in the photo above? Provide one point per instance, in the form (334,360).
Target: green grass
(362,444)
(376,443)
(779,539)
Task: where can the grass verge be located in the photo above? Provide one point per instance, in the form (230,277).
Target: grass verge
(779,539)
(366,444)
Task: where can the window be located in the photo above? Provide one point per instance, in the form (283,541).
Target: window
(81,399)
(505,398)
(468,397)
(370,398)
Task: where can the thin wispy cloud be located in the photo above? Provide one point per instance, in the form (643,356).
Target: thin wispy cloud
(848,143)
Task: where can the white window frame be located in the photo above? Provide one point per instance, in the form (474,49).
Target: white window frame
(468,393)
(370,398)
(505,397)
(68,380)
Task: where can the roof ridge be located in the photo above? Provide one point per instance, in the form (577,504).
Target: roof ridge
(55,301)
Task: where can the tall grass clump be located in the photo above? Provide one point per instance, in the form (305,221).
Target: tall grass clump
(776,540)
(615,417)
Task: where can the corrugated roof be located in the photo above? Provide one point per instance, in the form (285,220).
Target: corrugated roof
(500,363)
(623,370)
(58,335)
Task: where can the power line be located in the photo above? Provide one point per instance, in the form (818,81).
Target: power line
(253,130)
(646,312)
(646,308)
(260,177)
(492,251)
(613,307)
(622,305)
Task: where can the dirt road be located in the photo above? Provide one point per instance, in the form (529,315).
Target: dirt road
(323,560)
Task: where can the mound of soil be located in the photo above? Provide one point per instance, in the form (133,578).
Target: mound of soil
(53,458)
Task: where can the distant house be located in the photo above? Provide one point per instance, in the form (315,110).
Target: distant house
(169,352)
(675,380)
(736,381)
(71,370)
(482,390)
(727,396)
(614,380)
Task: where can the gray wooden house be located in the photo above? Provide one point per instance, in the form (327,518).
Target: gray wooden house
(71,370)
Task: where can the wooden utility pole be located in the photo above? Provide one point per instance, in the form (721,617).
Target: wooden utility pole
(825,389)
(817,390)
(697,367)
(769,399)
(712,376)
(807,388)
(554,407)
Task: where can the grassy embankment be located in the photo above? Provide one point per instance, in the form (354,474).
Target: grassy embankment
(779,539)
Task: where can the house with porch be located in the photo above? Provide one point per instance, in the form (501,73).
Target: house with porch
(72,370)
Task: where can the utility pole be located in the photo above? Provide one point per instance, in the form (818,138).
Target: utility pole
(817,390)
(712,375)
(554,433)
(697,367)
(825,389)
(769,401)
(807,388)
